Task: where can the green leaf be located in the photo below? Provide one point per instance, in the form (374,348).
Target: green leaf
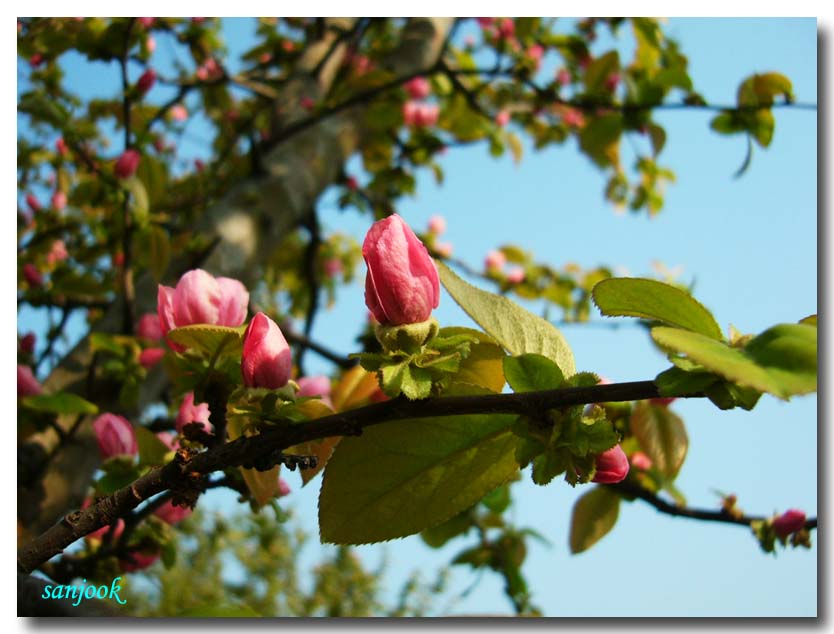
(140,205)
(518,330)
(532,372)
(600,139)
(498,500)
(662,435)
(415,382)
(152,450)
(438,535)
(675,382)
(159,251)
(594,515)
(649,299)
(60,403)
(600,70)
(781,361)
(484,364)
(403,477)
(208,340)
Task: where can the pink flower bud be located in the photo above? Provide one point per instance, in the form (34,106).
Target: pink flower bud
(61,146)
(506,28)
(57,253)
(484,22)
(197,20)
(197,298)
(146,81)
(265,58)
(402,285)
(146,22)
(563,77)
(361,64)
(437,225)
(315,386)
(663,401)
(495,261)
(150,44)
(137,560)
(333,267)
(411,113)
(641,461)
(149,327)
(199,165)
(33,203)
(502,118)
(429,114)
(179,112)
(444,249)
(115,436)
(418,88)
(234,302)
(516,275)
(191,413)
(612,466)
(172,514)
(573,118)
(351,183)
(32,275)
(118,258)
(59,200)
(36,60)
(307,103)
(27,343)
(283,488)
(27,384)
(611,81)
(535,53)
(127,164)
(266,358)
(150,357)
(288,46)
(789,522)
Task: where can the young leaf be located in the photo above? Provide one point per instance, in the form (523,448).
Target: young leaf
(152,450)
(516,329)
(483,366)
(594,515)
(208,339)
(402,477)
(662,435)
(60,403)
(532,372)
(438,535)
(354,389)
(648,299)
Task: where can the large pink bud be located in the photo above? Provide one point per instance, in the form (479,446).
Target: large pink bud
(418,88)
(27,384)
(196,299)
(266,361)
(612,466)
(318,385)
(789,522)
(149,357)
(149,328)
(191,413)
(402,285)
(234,302)
(115,436)
(127,164)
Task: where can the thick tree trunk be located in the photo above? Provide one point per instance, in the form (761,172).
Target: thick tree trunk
(248,224)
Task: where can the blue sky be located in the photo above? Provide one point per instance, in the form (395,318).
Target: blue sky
(750,246)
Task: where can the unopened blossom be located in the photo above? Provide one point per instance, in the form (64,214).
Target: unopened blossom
(179,112)
(190,412)
(333,267)
(283,488)
(150,44)
(149,357)
(641,461)
(495,261)
(27,343)
(437,225)
(146,22)
(57,252)
(266,360)
(61,146)
(402,285)
(444,249)
(59,200)
(563,76)
(516,275)
(351,183)
(317,385)
(611,466)
(32,275)
(115,436)
(789,522)
(418,88)
(127,164)
(502,118)
(148,327)
(146,81)
(27,384)
(172,514)
(33,202)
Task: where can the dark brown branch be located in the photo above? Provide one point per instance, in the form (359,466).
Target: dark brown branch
(630,489)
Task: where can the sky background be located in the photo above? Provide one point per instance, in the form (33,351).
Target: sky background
(749,245)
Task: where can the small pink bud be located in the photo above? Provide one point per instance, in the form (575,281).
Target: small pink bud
(789,522)
(351,183)
(199,165)
(563,77)
(33,203)
(172,514)
(361,64)
(234,302)
(315,386)
(410,113)
(36,60)
(146,22)
(127,164)
(27,343)
(307,103)
(502,118)
(197,20)
(333,267)
(495,261)
(27,384)
(137,560)
(612,466)
(484,22)
(191,413)
(169,440)
(265,58)
(641,461)
(266,360)
(506,28)
(32,275)
(611,81)
(150,44)
(516,275)
(437,225)
(146,81)
(61,146)
(573,118)
(429,114)
(402,285)
(535,53)
(418,88)
(115,436)
(444,249)
(57,253)
(118,258)
(148,327)
(150,357)
(59,200)
(283,488)
(179,112)
(288,46)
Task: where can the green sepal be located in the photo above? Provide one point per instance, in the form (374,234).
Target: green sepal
(409,338)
